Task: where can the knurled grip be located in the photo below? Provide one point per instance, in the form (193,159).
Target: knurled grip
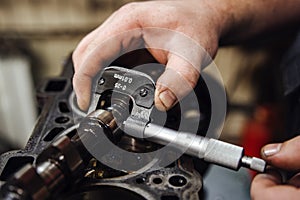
(224,154)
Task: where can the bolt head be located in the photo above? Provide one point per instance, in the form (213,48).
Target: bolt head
(143,92)
(101,81)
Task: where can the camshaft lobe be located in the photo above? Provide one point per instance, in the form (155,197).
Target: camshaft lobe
(60,164)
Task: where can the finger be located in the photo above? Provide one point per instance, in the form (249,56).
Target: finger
(295,181)
(82,86)
(269,179)
(179,78)
(283,155)
(98,50)
(120,20)
(100,57)
(262,183)
(183,57)
(267,187)
(81,47)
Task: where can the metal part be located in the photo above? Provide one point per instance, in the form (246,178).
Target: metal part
(138,123)
(55,165)
(211,150)
(254,163)
(136,86)
(61,163)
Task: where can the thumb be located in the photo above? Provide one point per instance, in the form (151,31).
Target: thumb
(283,155)
(179,78)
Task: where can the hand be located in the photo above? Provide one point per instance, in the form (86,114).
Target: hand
(205,22)
(129,28)
(269,185)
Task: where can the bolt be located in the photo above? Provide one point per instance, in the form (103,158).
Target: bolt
(143,92)
(101,81)
(61,157)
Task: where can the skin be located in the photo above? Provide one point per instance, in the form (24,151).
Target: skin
(132,16)
(208,23)
(270,185)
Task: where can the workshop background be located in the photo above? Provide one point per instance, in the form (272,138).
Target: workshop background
(37,36)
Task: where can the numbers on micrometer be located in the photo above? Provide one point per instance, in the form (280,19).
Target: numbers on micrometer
(125,79)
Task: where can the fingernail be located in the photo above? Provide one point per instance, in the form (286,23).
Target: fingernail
(167,98)
(271,149)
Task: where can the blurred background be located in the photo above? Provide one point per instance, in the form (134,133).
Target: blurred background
(37,36)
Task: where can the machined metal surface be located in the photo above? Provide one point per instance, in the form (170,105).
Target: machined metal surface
(137,86)
(54,158)
(58,161)
(211,150)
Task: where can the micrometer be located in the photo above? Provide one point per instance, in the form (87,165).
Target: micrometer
(139,89)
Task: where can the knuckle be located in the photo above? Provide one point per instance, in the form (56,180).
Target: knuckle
(78,79)
(75,59)
(128,8)
(75,81)
(191,75)
(91,46)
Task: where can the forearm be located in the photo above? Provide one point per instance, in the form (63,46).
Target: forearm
(243,19)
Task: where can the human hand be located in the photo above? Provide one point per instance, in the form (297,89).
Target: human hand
(270,185)
(184,32)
